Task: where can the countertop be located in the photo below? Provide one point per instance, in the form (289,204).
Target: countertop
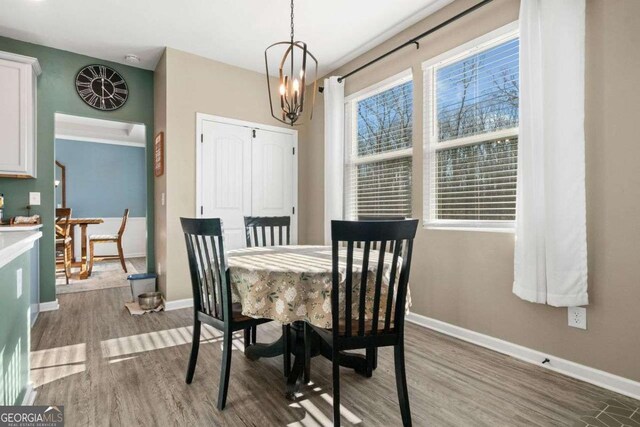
(19,228)
(15,243)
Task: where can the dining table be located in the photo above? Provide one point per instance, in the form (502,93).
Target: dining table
(293,285)
(82,223)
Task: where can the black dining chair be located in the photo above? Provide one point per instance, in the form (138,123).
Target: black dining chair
(385,327)
(372,353)
(212,303)
(262,231)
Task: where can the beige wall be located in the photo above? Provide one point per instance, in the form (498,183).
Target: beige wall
(195,85)
(464,277)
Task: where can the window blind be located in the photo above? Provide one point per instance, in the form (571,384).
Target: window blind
(380,189)
(477,182)
(378,162)
(474,143)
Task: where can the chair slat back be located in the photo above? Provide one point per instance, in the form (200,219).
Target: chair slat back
(62,225)
(379,218)
(123,224)
(263,230)
(363,311)
(208,267)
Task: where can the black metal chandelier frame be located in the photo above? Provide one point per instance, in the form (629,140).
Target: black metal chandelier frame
(292,91)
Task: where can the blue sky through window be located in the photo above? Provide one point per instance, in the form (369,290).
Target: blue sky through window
(479,93)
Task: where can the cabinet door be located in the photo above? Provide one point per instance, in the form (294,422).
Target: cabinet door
(226,178)
(272,175)
(17,114)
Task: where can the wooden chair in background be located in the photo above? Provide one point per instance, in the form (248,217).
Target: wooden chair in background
(211,288)
(261,231)
(64,243)
(109,238)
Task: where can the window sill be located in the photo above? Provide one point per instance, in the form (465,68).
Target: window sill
(468,227)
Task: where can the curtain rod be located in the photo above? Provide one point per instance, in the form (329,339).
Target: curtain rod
(415,39)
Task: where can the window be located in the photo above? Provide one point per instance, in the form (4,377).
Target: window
(471,133)
(379,144)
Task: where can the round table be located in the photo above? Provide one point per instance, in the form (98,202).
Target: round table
(292,285)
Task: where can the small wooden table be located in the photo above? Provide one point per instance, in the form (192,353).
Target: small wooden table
(82,223)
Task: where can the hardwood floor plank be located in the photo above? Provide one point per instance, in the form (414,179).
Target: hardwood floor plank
(110,368)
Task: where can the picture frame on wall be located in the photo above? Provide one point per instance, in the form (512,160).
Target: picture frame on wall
(158,154)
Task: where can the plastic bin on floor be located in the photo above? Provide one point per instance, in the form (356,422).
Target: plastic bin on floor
(141,283)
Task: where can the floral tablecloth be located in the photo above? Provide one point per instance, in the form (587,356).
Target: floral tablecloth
(290,283)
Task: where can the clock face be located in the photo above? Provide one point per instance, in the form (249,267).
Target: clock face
(101,87)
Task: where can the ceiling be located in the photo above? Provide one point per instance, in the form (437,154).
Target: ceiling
(96,130)
(232,31)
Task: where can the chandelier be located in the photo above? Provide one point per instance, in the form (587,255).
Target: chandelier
(292,78)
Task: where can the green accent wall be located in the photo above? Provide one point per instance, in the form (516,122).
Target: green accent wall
(14,331)
(57,94)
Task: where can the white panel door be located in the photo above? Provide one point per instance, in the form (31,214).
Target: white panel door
(272,167)
(226,178)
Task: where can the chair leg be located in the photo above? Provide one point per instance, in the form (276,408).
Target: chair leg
(307,354)
(121,256)
(195,346)
(67,263)
(372,360)
(247,337)
(254,334)
(335,360)
(286,353)
(225,371)
(401,383)
(91,255)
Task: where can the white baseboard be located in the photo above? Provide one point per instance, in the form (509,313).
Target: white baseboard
(49,305)
(33,322)
(29,396)
(566,367)
(178,304)
(136,255)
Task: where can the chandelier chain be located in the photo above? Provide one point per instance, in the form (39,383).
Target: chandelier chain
(291,21)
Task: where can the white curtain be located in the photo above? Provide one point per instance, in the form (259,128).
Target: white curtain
(551,246)
(333,153)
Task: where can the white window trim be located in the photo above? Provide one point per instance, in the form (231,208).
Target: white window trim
(350,123)
(430,131)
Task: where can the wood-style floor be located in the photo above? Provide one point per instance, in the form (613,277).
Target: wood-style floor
(109,368)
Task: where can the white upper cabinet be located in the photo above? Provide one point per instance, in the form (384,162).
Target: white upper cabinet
(18,75)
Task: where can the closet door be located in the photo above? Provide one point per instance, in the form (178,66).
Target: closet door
(226,178)
(272,170)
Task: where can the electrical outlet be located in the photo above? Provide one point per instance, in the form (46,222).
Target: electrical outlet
(34,199)
(19,282)
(162,199)
(577,317)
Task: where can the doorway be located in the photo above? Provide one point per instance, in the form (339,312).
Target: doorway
(100,173)
(245,169)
